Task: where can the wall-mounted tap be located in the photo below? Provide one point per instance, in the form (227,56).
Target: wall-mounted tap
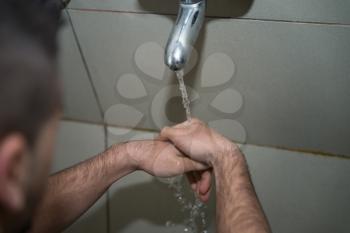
(184,33)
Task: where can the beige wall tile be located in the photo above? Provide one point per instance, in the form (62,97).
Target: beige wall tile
(78,98)
(77,142)
(301,192)
(292,77)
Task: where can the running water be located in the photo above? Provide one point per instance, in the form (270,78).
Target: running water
(194,211)
(185,100)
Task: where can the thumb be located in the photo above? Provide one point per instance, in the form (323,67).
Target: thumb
(183,129)
(169,134)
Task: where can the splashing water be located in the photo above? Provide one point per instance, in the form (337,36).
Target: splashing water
(185,99)
(194,211)
(196,220)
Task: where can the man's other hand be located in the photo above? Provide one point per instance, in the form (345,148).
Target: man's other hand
(160,158)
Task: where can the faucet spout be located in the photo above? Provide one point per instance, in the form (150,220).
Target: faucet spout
(184,33)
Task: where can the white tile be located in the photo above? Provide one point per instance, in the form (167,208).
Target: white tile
(293,77)
(301,192)
(78,98)
(130,87)
(77,142)
(220,101)
(295,10)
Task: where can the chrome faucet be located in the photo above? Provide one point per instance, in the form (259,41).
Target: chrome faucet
(184,33)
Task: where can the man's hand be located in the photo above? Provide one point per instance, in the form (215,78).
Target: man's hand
(202,144)
(159,158)
(237,208)
(198,141)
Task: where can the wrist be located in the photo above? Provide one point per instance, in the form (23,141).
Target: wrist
(230,166)
(128,151)
(119,160)
(135,153)
(229,153)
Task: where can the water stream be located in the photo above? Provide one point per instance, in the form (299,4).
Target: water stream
(185,99)
(194,210)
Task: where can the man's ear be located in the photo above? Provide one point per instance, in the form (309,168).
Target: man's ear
(12,172)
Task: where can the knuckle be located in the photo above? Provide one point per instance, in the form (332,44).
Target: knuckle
(164,130)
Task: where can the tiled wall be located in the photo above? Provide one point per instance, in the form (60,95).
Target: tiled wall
(288,63)
(267,72)
(299,192)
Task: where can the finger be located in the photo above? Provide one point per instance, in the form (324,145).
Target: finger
(197,121)
(191,180)
(197,176)
(204,185)
(175,136)
(166,134)
(170,132)
(188,123)
(182,128)
(204,197)
(179,134)
(205,182)
(161,138)
(191,165)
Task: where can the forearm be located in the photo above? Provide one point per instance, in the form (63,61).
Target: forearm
(238,207)
(71,192)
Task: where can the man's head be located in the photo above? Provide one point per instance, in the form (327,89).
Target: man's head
(29,105)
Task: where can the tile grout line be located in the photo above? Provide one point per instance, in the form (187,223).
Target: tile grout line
(309,152)
(290,21)
(99,105)
(216,17)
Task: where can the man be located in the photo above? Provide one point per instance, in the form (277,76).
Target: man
(30,110)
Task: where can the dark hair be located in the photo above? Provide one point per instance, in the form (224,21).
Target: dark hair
(29,90)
